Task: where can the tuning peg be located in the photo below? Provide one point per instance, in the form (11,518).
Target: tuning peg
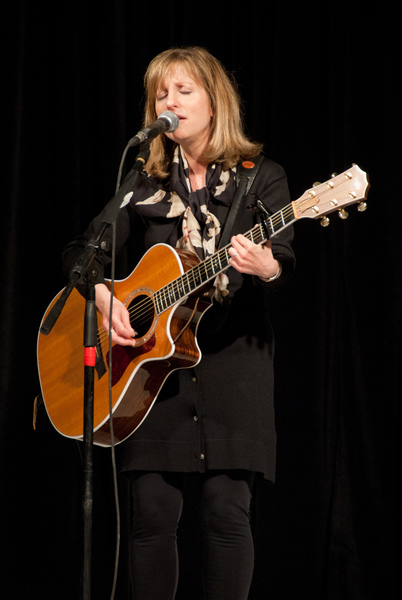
(334,175)
(324,222)
(316,183)
(343,214)
(362,206)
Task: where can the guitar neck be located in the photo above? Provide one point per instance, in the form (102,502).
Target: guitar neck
(209,268)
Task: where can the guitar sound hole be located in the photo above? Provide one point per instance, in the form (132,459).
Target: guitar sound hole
(142,314)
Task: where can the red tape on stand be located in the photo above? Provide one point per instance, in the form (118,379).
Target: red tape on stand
(89,356)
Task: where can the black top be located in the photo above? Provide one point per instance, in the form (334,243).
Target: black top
(219,414)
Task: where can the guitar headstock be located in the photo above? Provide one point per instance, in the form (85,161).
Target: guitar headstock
(342,190)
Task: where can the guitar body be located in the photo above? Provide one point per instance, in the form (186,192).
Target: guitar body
(165,342)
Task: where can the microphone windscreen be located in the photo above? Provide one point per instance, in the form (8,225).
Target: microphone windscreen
(172,118)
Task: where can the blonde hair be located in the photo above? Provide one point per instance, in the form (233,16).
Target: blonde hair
(228,142)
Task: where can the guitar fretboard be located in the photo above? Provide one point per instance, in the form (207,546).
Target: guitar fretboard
(209,268)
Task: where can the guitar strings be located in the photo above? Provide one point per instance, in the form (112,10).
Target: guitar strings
(280,219)
(143,311)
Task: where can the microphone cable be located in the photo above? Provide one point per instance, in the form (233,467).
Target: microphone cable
(141,159)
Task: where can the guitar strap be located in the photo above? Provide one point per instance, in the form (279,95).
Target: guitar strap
(245,175)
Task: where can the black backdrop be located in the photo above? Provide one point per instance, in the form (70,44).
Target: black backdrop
(321,89)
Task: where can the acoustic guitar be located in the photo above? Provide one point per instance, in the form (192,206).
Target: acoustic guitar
(166,295)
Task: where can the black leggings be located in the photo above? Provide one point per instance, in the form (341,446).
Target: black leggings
(228,544)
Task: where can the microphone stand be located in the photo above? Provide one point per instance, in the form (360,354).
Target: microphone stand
(90,339)
(80,269)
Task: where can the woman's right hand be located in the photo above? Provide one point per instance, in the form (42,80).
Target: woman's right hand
(122,332)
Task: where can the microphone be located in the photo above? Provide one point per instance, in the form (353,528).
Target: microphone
(167,121)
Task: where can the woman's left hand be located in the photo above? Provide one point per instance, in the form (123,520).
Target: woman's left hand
(253,259)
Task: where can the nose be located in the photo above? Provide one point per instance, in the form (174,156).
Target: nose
(172,101)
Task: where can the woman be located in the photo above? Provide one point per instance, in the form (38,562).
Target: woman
(216,419)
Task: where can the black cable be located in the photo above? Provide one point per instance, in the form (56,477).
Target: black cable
(112,444)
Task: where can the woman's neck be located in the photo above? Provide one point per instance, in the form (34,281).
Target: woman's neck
(197,172)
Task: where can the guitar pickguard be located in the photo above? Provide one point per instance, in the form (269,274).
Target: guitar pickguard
(123,356)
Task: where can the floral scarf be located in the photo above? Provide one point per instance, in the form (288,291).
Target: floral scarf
(201,230)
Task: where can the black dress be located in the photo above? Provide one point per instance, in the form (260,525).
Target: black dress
(219,414)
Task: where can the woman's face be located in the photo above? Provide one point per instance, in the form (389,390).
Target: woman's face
(180,94)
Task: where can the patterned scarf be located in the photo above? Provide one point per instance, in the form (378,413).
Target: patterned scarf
(201,229)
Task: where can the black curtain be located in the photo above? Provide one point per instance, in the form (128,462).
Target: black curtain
(321,88)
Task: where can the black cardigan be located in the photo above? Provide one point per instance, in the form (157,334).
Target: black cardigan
(219,414)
